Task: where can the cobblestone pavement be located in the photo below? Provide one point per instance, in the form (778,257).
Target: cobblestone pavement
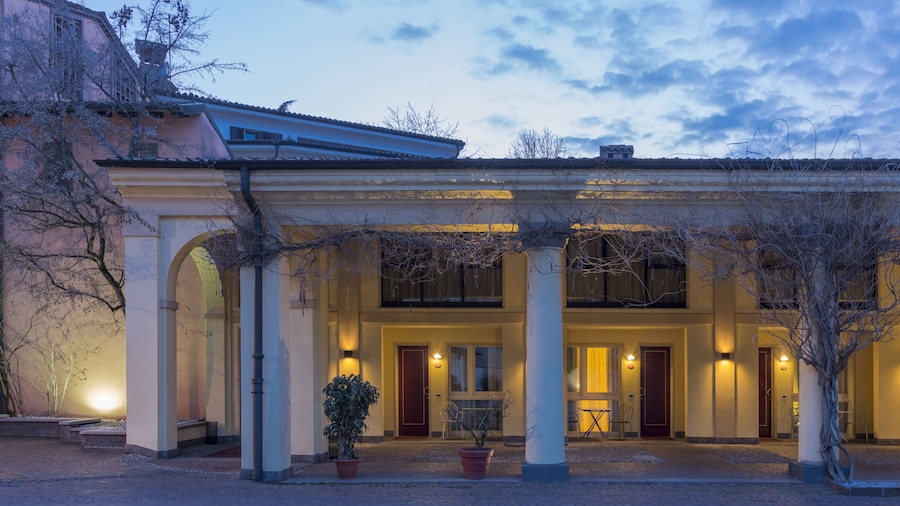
(47,471)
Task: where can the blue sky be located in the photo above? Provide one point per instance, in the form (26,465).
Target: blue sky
(682,78)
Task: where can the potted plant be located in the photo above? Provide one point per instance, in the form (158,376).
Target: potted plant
(347,402)
(478,422)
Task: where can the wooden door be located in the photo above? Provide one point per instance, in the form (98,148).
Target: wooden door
(656,400)
(765,392)
(412,364)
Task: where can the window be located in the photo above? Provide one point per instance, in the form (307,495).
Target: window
(246,134)
(592,381)
(66,61)
(438,282)
(855,283)
(476,378)
(475,369)
(121,86)
(58,160)
(145,150)
(604,273)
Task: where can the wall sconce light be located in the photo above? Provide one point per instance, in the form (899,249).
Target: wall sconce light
(784,358)
(725,356)
(437,360)
(348,353)
(630,359)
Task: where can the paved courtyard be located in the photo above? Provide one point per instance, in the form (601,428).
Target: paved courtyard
(47,471)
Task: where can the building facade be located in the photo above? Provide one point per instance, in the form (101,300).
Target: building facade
(694,358)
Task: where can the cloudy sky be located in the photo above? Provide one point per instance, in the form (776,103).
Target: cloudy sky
(681,78)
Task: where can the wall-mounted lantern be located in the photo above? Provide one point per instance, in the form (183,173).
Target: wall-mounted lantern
(630,359)
(437,360)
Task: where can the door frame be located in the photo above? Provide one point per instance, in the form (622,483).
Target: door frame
(402,429)
(667,400)
(765,368)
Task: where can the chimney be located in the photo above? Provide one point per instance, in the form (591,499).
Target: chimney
(153,65)
(620,151)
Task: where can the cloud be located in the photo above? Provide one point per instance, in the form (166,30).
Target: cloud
(734,125)
(499,121)
(408,32)
(514,57)
(335,5)
(531,57)
(755,8)
(637,78)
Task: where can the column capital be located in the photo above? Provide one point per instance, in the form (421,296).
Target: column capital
(544,235)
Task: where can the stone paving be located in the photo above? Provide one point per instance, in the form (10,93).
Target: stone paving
(47,471)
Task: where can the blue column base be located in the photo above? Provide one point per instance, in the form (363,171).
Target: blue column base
(810,473)
(545,473)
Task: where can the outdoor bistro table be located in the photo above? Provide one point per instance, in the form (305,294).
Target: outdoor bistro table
(596,415)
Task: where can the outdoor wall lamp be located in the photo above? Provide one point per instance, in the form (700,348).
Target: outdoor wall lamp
(437,360)
(784,358)
(348,353)
(725,356)
(630,359)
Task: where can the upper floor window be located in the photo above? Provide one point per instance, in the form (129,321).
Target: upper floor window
(246,134)
(604,272)
(412,277)
(66,61)
(855,283)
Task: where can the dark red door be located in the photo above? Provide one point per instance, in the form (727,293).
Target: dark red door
(765,392)
(412,362)
(655,396)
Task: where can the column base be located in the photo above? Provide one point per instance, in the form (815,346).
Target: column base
(268,476)
(810,473)
(545,473)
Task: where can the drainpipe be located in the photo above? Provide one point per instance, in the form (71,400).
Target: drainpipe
(257,325)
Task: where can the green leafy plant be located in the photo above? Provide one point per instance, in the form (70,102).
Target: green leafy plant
(347,403)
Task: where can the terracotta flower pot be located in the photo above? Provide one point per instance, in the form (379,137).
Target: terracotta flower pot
(347,468)
(475,462)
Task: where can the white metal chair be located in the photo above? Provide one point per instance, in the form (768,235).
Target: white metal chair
(795,422)
(450,415)
(626,411)
(860,417)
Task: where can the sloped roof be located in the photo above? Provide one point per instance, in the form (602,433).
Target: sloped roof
(190,97)
(330,146)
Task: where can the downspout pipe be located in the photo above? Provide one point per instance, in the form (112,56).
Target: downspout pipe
(257,325)
(3,400)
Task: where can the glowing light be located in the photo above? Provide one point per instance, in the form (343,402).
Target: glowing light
(105,400)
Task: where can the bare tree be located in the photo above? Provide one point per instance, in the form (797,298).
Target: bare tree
(420,122)
(168,37)
(815,244)
(529,143)
(68,99)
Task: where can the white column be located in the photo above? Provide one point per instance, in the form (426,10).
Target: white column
(276,405)
(306,392)
(149,346)
(545,456)
(808,446)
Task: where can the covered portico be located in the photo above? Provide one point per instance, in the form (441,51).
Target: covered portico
(303,344)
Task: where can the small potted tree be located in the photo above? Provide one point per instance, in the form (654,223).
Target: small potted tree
(478,422)
(347,402)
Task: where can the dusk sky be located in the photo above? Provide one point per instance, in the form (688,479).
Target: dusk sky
(683,78)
